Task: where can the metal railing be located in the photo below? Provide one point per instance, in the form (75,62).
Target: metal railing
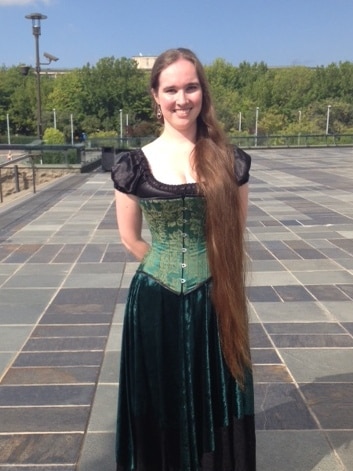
(296,140)
(12,163)
(250,140)
(38,157)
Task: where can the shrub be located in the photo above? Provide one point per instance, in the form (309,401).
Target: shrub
(53,136)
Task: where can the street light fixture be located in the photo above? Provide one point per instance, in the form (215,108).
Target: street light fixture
(36,30)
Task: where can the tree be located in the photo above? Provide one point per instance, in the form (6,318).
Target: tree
(94,95)
(18,100)
(290,88)
(113,85)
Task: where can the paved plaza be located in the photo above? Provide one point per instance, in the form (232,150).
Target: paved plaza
(64,277)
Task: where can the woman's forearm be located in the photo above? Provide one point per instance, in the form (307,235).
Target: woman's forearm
(137,248)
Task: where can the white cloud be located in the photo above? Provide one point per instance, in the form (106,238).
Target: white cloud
(12,3)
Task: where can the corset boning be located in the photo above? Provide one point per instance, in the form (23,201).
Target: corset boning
(177,258)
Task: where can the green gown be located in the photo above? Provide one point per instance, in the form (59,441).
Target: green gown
(179,409)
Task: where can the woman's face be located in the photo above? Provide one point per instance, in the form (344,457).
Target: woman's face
(179,95)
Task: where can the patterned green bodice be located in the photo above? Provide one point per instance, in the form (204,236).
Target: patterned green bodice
(177,258)
(176,218)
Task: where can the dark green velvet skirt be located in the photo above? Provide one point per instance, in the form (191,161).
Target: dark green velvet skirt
(179,408)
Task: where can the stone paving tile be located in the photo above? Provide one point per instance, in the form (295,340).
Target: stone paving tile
(348,326)
(47,375)
(71,344)
(343,445)
(43,419)
(92,253)
(305,328)
(52,359)
(38,468)
(312,341)
(75,315)
(46,395)
(293,293)
(69,253)
(22,253)
(324,365)
(12,337)
(45,331)
(339,396)
(279,406)
(40,449)
(259,337)
(296,451)
(340,310)
(327,293)
(262,356)
(46,254)
(262,294)
(347,289)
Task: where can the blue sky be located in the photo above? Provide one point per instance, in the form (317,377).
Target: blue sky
(278,32)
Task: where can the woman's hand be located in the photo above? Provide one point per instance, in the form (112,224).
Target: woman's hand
(129,218)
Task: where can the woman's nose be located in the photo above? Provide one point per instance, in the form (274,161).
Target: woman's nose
(181,97)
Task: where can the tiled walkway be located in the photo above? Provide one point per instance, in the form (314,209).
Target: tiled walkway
(63,283)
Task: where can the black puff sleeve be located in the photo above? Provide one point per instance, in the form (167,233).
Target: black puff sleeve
(242,166)
(126,172)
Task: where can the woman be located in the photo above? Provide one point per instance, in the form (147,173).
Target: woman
(185,391)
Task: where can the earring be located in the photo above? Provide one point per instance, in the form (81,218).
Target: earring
(159,112)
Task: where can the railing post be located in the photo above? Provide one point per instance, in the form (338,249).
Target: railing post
(1,197)
(15,174)
(33,174)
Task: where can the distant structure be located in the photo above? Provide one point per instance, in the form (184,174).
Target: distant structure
(54,73)
(144,62)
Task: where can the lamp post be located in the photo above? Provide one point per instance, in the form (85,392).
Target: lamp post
(121,125)
(54,117)
(328,118)
(36,19)
(72,128)
(256,121)
(239,125)
(299,121)
(8,128)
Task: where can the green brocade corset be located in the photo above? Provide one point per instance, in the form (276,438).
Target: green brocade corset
(177,258)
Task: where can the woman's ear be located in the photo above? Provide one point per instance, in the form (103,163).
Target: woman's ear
(154,94)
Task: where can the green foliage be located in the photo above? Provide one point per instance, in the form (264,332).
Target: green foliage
(291,100)
(103,134)
(53,136)
(68,157)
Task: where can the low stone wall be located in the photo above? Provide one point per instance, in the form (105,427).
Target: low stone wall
(43,176)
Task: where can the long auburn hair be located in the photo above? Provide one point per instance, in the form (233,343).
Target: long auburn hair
(214,163)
